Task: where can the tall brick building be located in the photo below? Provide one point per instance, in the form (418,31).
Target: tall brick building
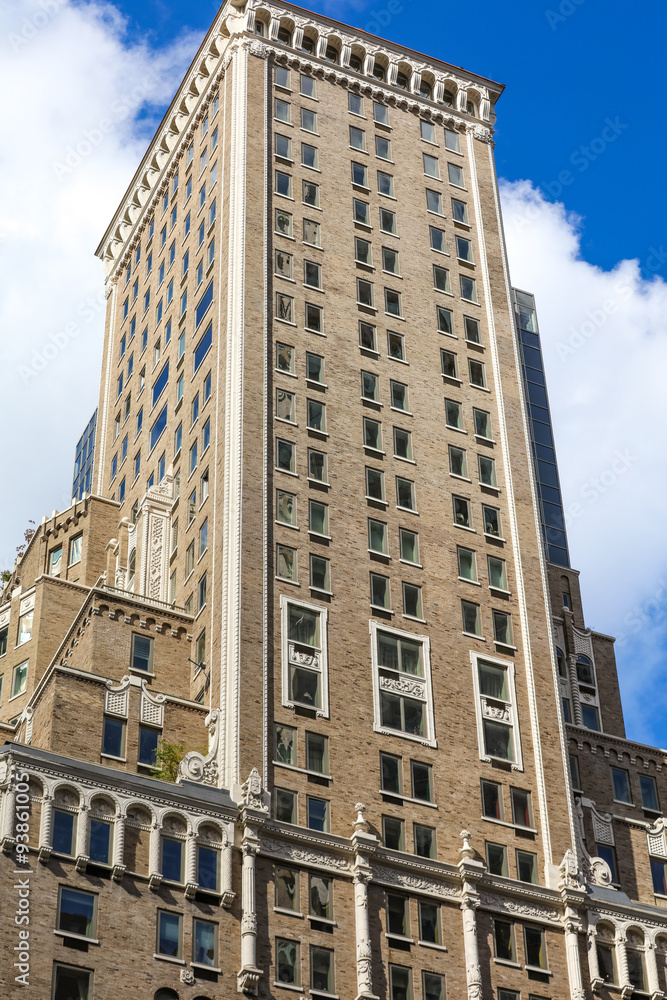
(323,565)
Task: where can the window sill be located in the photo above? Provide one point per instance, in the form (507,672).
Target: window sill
(318,535)
(384,611)
(393,316)
(408,510)
(459,430)
(314,384)
(471,635)
(510,826)
(496,538)
(329,923)
(398,409)
(375,403)
(506,961)
(319,590)
(283,524)
(504,645)
(464,527)
(400,458)
(109,756)
(399,937)
(287,472)
(475,583)
(301,770)
(169,958)
(544,972)
(482,388)
(432,945)
(309,479)
(284,579)
(489,486)
(202,965)
(412,618)
(385,503)
(471,302)
(406,798)
(76,937)
(375,451)
(287,986)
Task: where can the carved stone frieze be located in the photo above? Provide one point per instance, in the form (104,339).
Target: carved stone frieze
(411,880)
(519,907)
(304,855)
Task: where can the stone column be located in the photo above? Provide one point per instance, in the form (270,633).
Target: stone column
(46,827)
(191,880)
(622,962)
(471,871)
(364,844)
(8,813)
(82,838)
(574,690)
(118,869)
(652,972)
(226,874)
(154,873)
(593,963)
(572,926)
(249,975)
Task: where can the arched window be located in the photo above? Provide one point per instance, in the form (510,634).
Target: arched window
(308,44)
(356,64)
(448,98)
(379,71)
(560,660)
(166,994)
(425,89)
(259,28)
(285,36)
(471,109)
(332,54)
(585,671)
(402,81)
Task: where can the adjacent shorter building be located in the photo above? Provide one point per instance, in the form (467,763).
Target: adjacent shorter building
(298,698)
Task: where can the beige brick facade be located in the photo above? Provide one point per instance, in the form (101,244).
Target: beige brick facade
(373,674)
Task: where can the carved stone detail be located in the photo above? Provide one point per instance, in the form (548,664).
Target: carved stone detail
(419,883)
(304,855)
(194,766)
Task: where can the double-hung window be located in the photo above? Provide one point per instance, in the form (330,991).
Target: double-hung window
(403,699)
(496,709)
(304,655)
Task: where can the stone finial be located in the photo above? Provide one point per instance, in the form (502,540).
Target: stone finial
(466,851)
(360,824)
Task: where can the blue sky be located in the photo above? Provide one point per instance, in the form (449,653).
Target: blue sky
(579,147)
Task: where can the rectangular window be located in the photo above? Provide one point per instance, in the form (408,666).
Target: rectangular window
(285,805)
(286,882)
(429,922)
(392,833)
(283,184)
(158,427)
(434,201)
(285,507)
(424,842)
(310,194)
(388,222)
(380,591)
(621,783)
(487,471)
(317,814)
(282,77)
(360,212)
(314,368)
(412,601)
(471,618)
(455,174)
(286,568)
(142,653)
(359,174)
(535,947)
(308,86)
(367,337)
(77,912)
(304,655)
(390,774)
(492,802)
(308,120)
(148,744)
(385,184)
(502,628)
(461,512)
(522,813)
(468,288)
(203,347)
(317,753)
(380,113)
(496,859)
(320,578)
(400,983)
(431,166)
(288,964)
(320,904)
(526,866)
(649,792)
(169,934)
(318,518)
(448,364)
(397,914)
(357,138)
(355,104)
(503,940)
(477,373)
(365,295)
(284,308)
(399,657)
(402,444)
(72,981)
(497,573)
(113,737)
(392,302)
(421,781)
(375,484)
(467,563)
(318,466)
(204,943)
(405,494)
(64,832)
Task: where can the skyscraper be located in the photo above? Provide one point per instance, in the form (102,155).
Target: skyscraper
(319,541)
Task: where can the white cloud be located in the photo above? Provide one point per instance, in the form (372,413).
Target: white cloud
(604,339)
(85,99)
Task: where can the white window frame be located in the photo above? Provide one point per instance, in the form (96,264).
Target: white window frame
(428,740)
(285,602)
(508,665)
